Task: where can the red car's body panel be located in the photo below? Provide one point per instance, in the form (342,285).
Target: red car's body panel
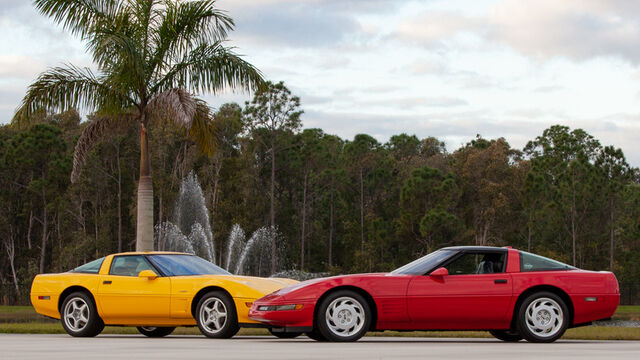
(462,302)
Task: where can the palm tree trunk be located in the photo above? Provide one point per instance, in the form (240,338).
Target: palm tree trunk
(144,236)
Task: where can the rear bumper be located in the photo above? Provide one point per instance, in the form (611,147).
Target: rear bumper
(45,304)
(586,309)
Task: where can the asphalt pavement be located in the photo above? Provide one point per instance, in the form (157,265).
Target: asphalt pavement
(22,346)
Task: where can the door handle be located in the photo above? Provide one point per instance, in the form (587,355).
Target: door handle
(107,282)
(500,281)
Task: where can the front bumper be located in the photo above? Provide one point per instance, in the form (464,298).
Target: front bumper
(285,320)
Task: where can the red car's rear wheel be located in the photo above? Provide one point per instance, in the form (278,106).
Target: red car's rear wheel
(343,316)
(542,317)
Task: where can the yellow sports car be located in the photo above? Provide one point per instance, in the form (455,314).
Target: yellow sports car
(155,291)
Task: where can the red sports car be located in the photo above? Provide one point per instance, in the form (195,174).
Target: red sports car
(512,294)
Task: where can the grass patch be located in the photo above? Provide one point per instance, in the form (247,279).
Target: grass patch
(627,309)
(627,312)
(14,309)
(602,333)
(21,314)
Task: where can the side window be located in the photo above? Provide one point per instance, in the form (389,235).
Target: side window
(90,268)
(477,263)
(531,262)
(129,265)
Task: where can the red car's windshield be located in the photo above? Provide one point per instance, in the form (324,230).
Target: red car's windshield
(424,264)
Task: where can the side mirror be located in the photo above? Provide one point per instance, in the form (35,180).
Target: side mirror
(440,272)
(149,274)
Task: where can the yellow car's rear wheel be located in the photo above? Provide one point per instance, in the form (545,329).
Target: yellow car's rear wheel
(79,316)
(216,315)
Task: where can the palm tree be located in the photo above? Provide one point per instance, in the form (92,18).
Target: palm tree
(151,57)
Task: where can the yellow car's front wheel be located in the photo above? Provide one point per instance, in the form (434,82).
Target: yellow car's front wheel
(216,315)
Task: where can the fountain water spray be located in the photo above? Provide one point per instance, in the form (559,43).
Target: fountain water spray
(189,231)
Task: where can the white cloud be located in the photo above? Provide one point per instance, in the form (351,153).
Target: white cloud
(432,28)
(578,29)
(542,29)
(445,68)
(19,66)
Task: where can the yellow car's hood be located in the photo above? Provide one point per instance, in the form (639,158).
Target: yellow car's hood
(260,284)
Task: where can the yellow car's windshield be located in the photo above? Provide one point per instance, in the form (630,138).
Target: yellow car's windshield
(181,265)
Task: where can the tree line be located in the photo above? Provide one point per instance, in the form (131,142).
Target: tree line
(339,205)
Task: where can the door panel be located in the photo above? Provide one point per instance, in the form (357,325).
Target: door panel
(123,296)
(134,297)
(476,301)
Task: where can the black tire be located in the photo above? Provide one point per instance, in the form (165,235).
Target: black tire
(538,308)
(285,335)
(314,335)
(355,317)
(154,331)
(506,335)
(79,316)
(218,302)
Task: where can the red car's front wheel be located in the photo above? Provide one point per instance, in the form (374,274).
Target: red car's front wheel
(343,316)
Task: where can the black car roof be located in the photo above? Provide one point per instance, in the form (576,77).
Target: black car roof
(476,248)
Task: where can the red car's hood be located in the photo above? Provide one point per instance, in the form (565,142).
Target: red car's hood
(321,284)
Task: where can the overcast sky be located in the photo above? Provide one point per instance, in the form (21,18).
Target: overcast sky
(450,68)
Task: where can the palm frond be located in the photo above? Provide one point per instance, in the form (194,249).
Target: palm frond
(176,105)
(203,130)
(63,88)
(148,16)
(118,50)
(100,127)
(211,68)
(188,114)
(184,26)
(78,16)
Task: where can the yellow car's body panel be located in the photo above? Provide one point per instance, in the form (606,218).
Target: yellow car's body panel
(142,301)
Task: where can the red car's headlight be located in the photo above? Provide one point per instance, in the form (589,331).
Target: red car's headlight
(279,307)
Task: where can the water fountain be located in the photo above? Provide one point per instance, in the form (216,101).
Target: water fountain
(190,231)
(254,256)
